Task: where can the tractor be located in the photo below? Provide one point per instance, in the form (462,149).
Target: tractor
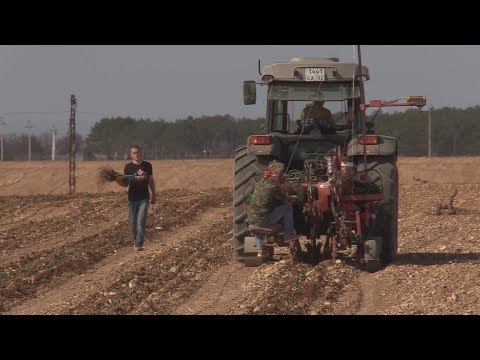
(346,181)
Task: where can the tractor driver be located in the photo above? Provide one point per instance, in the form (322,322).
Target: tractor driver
(322,117)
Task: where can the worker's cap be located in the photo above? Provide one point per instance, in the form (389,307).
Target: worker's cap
(275,166)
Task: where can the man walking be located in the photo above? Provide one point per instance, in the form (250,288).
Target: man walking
(138,195)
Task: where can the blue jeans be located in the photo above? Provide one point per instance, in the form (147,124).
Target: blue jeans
(137,218)
(285,212)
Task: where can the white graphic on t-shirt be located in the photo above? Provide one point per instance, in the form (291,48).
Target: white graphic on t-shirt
(140,175)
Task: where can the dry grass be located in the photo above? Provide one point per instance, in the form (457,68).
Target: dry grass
(107,174)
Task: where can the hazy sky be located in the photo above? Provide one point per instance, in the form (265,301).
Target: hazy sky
(175,81)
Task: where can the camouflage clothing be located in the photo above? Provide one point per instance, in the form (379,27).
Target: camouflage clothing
(266,196)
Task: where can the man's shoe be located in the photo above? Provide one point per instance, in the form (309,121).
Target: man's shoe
(138,248)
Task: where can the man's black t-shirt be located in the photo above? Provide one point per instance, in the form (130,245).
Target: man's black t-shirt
(138,188)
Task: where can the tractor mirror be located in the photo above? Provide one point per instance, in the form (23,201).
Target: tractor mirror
(249,92)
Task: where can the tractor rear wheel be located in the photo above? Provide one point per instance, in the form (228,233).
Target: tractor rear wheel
(247,173)
(383,169)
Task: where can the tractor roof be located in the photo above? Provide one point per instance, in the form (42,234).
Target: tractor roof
(298,69)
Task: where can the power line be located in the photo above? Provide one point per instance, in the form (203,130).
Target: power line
(27,112)
(50,113)
(68,111)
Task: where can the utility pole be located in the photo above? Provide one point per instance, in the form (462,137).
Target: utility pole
(53,142)
(454,139)
(29,127)
(71,132)
(429,133)
(2,122)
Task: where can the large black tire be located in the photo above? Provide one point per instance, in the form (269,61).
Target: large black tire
(248,171)
(385,172)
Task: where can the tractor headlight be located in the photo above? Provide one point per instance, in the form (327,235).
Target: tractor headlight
(267,78)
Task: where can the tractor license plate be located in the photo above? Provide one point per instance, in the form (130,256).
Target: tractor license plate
(315,74)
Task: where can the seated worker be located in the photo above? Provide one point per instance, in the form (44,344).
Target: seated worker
(269,203)
(322,116)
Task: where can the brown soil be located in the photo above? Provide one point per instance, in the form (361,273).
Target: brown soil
(62,254)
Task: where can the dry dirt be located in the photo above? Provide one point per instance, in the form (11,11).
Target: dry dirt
(63,254)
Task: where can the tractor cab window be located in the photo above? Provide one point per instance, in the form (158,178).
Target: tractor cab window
(307,91)
(284,115)
(338,109)
(287,100)
(280,117)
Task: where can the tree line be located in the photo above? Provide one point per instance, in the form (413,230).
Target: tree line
(15,147)
(454,132)
(204,137)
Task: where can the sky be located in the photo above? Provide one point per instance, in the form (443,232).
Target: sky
(176,81)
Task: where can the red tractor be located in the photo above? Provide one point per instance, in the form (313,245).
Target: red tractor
(346,181)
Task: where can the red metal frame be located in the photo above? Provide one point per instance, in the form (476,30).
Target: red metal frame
(361,197)
(379,103)
(322,194)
